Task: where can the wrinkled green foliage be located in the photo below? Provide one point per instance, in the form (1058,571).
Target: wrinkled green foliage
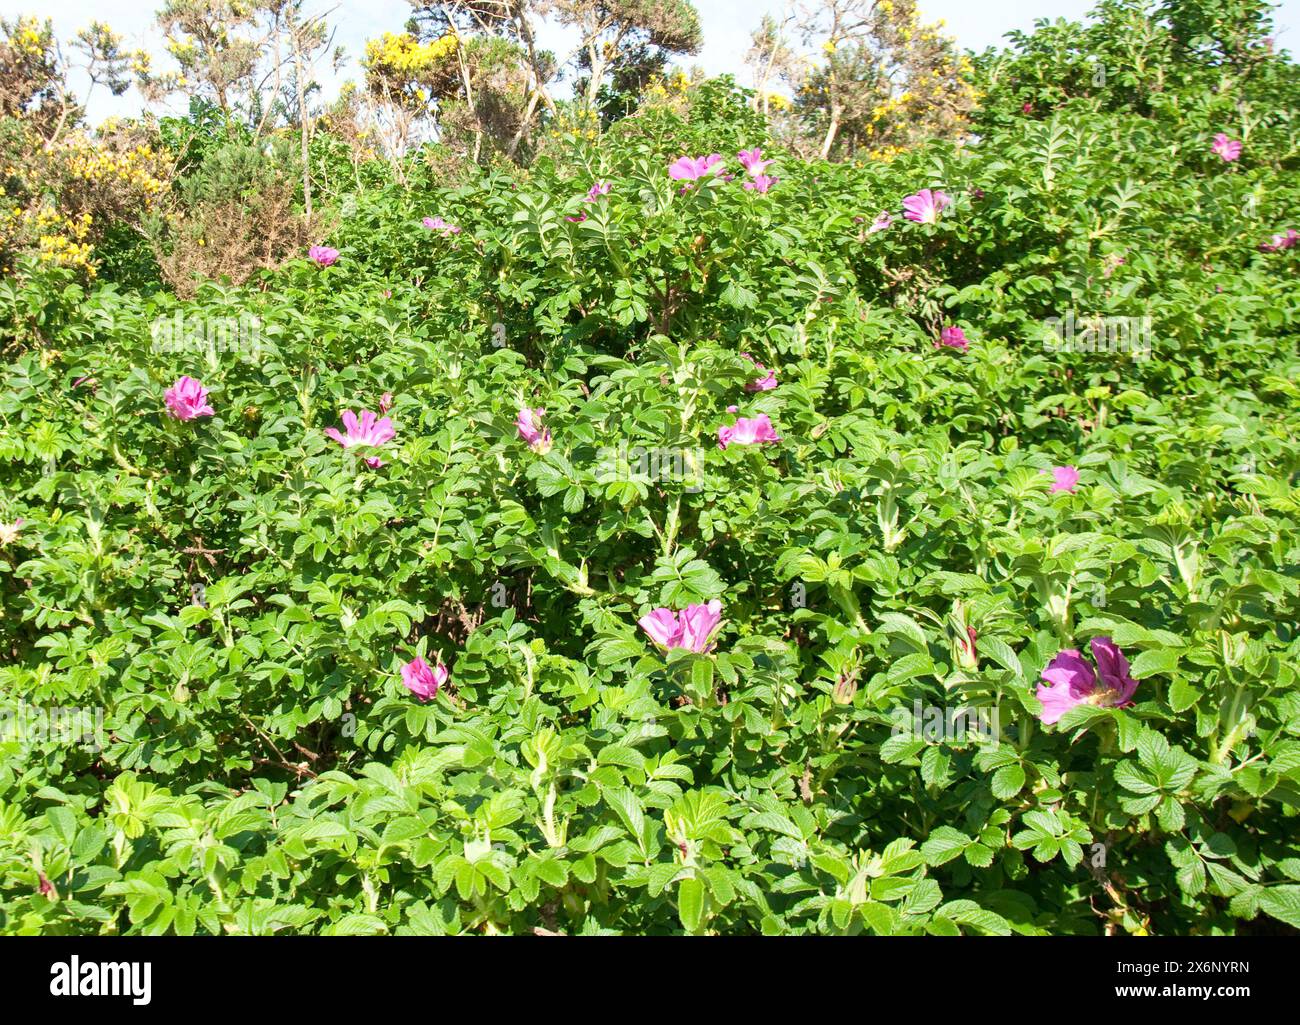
(264,769)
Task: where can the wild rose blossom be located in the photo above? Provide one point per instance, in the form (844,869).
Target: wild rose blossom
(599,189)
(9,532)
(1070,681)
(187,399)
(954,338)
(690,629)
(1228,149)
(385,402)
(925,206)
(438,224)
(369,430)
(531,429)
(422,680)
(323,255)
(752,161)
(747,431)
(576,220)
(1280,242)
(881,223)
(766,383)
(1064,478)
(694,168)
(760,183)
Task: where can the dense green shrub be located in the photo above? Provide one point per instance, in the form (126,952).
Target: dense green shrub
(239,594)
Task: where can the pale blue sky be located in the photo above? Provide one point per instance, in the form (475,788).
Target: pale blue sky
(726,23)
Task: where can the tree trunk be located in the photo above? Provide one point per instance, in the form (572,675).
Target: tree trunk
(524,123)
(302,123)
(831,131)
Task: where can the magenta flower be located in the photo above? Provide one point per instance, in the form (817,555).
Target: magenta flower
(752,161)
(1228,149)
(1027,108)
(533,431)
(323,255)
(747,432)
(423,681)
(1279,242)
(766,383)
(694,168)
(385,402)
(1073,681)
(370,430)
(187,399)
(925,206)
(760,183)
(438,224)
(1064,478)
(598,190)
(576,220)
(691,629)
(954,338)
(881,223)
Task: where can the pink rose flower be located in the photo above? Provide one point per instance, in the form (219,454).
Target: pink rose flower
(925,206)
(1279,242)
(692,629)
(752,161)
(1064,478)
(438,224)
(531,429)
(745,431)
(1228,149)
(954,338)
(323,255)
(694,168)
(766,383)
(423,681)
(1070,681)
(187,399)
(368,431)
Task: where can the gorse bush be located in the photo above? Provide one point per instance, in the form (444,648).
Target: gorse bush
(676,536)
